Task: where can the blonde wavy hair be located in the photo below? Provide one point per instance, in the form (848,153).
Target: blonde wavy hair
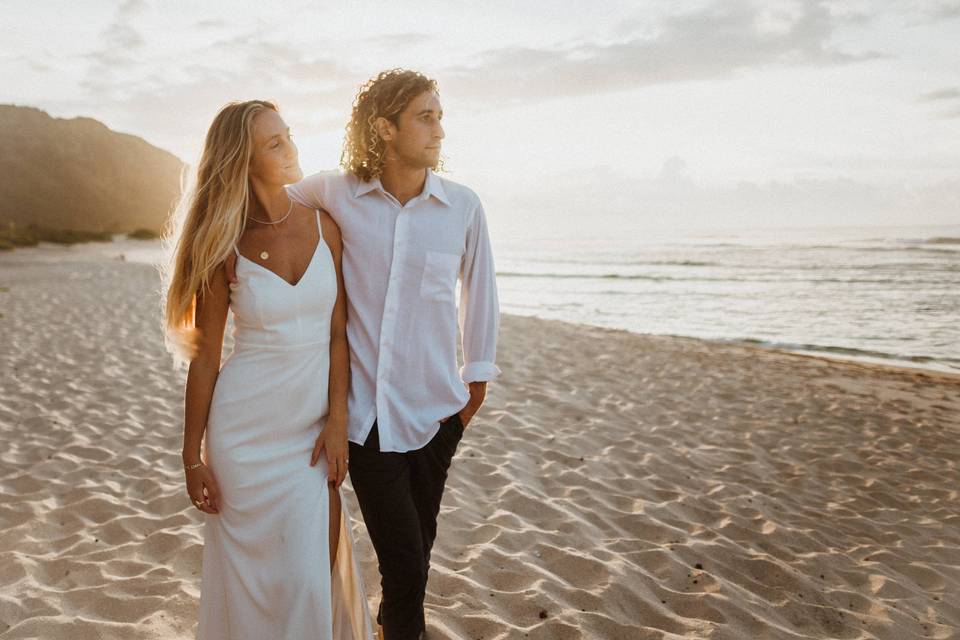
(207,222)
(386,96)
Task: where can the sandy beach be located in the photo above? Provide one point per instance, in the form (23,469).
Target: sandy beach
(614,486)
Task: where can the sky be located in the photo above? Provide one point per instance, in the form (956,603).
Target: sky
(567,118)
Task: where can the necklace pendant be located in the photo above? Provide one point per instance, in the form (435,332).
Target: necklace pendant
(264,255)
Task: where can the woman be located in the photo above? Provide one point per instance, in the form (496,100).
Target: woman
(278,553)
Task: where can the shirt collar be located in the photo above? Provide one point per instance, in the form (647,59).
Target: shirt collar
(432,187)
(364,188)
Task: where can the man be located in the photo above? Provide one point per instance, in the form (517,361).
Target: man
(408,235)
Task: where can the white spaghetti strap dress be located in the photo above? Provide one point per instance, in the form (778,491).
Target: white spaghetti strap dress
(266,568)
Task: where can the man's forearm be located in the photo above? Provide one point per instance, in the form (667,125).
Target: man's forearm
(478,392)
(339,380)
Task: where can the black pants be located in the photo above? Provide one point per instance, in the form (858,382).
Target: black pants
(399,495)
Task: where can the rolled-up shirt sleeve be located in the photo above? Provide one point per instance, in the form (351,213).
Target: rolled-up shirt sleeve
(479,313)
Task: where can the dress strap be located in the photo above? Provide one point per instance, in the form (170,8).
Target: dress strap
(236,251)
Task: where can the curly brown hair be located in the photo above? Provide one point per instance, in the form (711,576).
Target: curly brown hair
(386,96)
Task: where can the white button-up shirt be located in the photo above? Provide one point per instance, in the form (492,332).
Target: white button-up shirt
(400,267)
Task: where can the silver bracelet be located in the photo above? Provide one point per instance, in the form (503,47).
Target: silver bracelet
(191,467)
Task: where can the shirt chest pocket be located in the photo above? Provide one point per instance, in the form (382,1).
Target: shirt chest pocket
(439,281)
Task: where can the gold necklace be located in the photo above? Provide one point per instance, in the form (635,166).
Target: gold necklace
(266,254)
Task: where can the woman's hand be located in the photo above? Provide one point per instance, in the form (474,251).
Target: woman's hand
(203,489)
(332,441)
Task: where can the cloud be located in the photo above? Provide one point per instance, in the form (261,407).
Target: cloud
(712,42)
(174,95)
(608,199)
(121,33)
(227,66)
(926,12)
(950,93)
(950,96)
(211,23)
(118,39)
(947,10)
(399,40)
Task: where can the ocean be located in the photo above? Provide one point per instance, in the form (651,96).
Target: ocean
(880,294)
